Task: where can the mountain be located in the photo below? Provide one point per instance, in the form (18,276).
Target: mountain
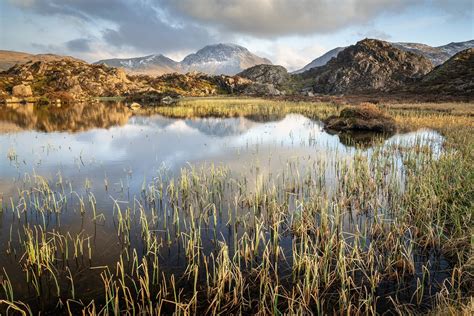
(322,60)
(437,55)
(369,65)
(454,77)
(149,65)
(9,59)
(227,59)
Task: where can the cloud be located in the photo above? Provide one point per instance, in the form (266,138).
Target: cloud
(293,58)
(269,18)
(139,24)
(79,45)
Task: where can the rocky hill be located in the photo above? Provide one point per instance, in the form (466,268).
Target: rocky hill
(276,75)
(437,55)
(9,59)
(268,79)
(454,77)
(369,65)
(227,59)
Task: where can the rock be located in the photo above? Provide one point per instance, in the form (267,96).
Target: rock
(135,106)
(168,100)
(365,117)
(121,75)
(22,90)
(261,89)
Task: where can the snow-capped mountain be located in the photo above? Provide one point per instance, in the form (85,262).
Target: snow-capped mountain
(227,59)
(151,64)
(437,55)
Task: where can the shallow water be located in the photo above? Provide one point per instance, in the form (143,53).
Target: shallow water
(119,156)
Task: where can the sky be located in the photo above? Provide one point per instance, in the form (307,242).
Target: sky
(288,32)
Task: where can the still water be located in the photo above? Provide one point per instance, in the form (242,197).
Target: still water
(107,152)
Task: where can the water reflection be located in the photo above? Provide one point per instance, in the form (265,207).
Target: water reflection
(105,141)
(65,118)
(106,152)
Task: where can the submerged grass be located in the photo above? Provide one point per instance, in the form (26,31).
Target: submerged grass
(364,240)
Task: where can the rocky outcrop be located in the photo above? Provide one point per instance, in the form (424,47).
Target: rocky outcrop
(370,65)
(268,80)
(71,78)
(276,75)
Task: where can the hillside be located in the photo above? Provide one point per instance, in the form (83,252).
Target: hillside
(454,77)
(369,65)
(9,59)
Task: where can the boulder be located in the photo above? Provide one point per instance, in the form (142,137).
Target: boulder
(276,75)
(22,90)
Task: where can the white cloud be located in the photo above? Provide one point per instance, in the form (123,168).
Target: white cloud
(293,58)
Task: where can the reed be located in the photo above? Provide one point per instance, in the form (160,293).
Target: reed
(319,236)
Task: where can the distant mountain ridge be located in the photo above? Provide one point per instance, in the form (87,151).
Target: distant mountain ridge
(437,55)
(145,65)
(228,59)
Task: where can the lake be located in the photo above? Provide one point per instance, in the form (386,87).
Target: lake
(103,185)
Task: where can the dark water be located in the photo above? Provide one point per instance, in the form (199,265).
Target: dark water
(110,153)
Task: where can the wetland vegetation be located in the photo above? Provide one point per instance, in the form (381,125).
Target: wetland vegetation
(235,206)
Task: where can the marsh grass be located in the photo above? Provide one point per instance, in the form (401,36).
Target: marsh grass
(363,241)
